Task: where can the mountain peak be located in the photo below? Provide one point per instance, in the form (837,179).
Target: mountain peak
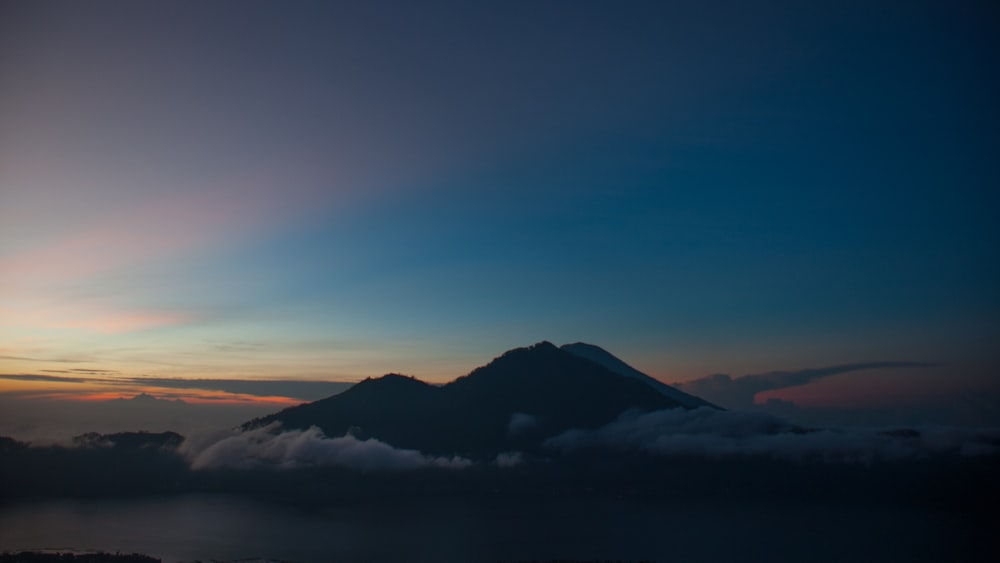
(392,379)
(394,384)
(471,416)
(543,347)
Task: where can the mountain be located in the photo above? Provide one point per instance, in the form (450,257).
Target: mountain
(513,403)
(608,360)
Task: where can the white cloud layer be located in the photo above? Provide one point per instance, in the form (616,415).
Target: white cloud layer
(264,447)
(716,434)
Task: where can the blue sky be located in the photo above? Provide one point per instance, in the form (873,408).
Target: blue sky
(320,190)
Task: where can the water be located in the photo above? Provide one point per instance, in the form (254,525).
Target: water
(205,527)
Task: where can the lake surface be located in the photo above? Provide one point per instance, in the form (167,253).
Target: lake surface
(222,527)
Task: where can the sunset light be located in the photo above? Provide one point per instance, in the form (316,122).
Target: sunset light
(501,280)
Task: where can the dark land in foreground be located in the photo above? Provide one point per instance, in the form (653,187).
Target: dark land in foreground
(964,486)
(99,557)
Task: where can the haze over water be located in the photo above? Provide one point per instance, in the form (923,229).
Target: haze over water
(205,527)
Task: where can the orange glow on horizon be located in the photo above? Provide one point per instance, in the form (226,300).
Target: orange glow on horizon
(103,391)
(188,396)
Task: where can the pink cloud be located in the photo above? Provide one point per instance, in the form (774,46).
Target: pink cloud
(73,278)
(154,231)
(68,282)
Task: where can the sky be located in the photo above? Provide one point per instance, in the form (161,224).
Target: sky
(331,191)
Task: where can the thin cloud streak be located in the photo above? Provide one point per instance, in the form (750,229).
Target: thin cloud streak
(280,391)
(83,371)
(47,378)
(739,392)
(202,398)
(44,360)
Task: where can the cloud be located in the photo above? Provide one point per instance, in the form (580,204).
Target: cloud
(83,371)
(307,390)
(46,360)
(45,378)
(519,422)
(509,459)
(739,392)
(264,447)
(711,433)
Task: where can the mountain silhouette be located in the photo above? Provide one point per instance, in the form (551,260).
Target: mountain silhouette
(610,361)
(511,404)
(130,440)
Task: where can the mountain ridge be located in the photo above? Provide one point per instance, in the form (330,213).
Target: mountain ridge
(541,389)
(607,359)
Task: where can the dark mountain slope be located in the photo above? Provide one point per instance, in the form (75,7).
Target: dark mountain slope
(610,361)
(393,408)
(513,403)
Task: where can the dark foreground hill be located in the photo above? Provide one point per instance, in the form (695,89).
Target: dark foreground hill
(513,403)
(57,557)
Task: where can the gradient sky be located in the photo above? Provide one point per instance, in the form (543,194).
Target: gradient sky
(320,190)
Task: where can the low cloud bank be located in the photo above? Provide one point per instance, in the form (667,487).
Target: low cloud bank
(711,433)
(264,447)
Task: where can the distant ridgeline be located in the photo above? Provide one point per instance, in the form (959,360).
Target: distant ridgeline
(57,557)
(512,404)
(129,440)
(540,421)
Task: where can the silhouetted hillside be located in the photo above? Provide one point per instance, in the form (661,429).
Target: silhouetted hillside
(610,361)
(99,557)
(10,445)
(513,403)
(130,440)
